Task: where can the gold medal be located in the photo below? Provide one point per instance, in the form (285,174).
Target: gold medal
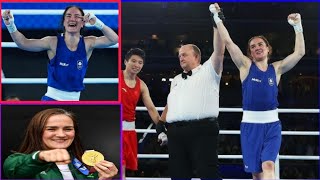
(91,157)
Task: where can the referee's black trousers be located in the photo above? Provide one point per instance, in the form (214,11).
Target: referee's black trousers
(193,149)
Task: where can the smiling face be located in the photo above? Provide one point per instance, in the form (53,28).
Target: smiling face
(73,20)
(58,132)
(259,49)
(134,64)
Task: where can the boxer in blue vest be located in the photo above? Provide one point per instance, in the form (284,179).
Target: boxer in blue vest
(68,52)
(260,127)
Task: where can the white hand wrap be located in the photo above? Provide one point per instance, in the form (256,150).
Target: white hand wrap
(296,26)
(98,24)
(214,11)
(11,26)
(163,138)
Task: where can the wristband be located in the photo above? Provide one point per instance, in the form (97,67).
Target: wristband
(11,26)
(160,127)
(298,28)
(216,18)
(98,24)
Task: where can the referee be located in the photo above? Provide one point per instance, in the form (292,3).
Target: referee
(191,114)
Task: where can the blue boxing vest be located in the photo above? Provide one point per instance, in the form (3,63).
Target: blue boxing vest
(66,70)
(260,90)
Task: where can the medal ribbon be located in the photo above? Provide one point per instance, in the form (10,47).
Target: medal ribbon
(80,166)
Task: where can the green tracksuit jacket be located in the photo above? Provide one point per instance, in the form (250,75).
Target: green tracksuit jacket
(28,166)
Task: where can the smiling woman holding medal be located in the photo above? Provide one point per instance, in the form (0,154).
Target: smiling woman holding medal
(58,154)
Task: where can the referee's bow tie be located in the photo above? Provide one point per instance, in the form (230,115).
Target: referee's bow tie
(185,75)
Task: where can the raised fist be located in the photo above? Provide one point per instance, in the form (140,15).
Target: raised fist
(216,14)
(7,17)
(55,155)
(90,19)
(214,8)
(294,19)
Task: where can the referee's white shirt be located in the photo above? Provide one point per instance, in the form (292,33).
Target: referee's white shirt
(196,97)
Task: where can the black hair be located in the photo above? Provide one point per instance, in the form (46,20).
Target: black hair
(64,14)
(135,51)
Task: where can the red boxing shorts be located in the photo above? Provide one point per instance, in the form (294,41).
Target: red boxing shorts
(130,150)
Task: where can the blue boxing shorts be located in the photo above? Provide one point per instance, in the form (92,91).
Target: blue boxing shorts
(46,98)
(259,143)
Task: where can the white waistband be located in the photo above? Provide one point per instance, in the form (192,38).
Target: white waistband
(260,116)
(62,95)
(128,125)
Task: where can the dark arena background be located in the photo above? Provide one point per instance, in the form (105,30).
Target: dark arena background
(37,20)
(160,28)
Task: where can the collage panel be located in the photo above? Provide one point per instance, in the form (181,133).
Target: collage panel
(86,138)
(157,41)
(60,51)
(264,63)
